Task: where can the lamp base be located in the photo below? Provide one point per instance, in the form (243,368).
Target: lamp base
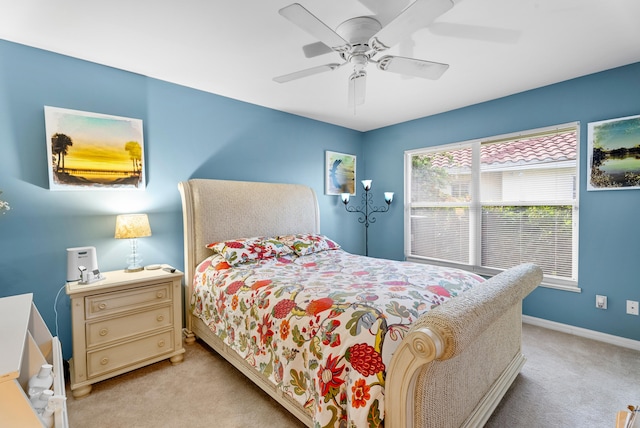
(134,261)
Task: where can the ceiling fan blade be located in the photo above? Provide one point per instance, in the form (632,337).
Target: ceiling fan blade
(412,67)
(476,32)
(304,73)
(357,88)
(316,49)
(419,14)
(312,25)
(385,10)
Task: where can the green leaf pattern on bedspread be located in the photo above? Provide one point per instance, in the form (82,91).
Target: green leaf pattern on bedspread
(325,344)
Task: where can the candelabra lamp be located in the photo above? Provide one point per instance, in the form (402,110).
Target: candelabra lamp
(367,209)
(132,227)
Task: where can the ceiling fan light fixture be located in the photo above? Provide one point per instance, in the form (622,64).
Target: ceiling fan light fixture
(359,61)
(357,88)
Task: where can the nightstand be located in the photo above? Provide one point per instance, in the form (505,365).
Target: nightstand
(124,322)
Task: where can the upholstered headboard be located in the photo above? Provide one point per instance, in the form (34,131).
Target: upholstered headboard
(217,210)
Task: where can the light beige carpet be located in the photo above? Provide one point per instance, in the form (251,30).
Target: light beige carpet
(567,382)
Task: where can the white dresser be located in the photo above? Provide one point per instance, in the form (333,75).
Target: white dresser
(26,345)
(124,322)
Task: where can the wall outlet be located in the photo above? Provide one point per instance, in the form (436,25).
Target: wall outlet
(632,307)
(601,302)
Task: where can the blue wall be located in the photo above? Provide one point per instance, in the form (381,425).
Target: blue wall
(188,134)
(192,134)
(609,232)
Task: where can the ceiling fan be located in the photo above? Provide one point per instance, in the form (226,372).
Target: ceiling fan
(359,40)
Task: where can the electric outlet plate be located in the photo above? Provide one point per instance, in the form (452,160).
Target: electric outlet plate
(601,302)
(632,307)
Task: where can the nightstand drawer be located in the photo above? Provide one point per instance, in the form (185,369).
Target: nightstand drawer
(113,303)
(115,357)
(102,332)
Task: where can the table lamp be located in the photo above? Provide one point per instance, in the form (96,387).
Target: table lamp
(132,227)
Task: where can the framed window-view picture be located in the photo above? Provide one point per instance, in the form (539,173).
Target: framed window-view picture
(92,151)
(614,154)
(340,173)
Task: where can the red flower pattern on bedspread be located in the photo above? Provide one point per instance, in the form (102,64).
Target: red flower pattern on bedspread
(365,359)
(326,343)
(329,376)
(360,393)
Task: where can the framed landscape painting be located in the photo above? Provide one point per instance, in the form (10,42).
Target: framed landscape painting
(92,151)
(614,154)
(340,173)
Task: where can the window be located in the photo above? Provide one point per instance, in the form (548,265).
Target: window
(491,204)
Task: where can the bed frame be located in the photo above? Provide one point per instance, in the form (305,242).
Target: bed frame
(455,364)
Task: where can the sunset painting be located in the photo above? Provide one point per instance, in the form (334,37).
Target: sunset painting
(88,151)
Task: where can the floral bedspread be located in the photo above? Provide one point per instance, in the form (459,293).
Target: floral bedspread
(322,326)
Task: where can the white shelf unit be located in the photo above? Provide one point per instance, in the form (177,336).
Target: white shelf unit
(26,345)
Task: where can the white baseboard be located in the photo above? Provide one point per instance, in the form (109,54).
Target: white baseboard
(583,332)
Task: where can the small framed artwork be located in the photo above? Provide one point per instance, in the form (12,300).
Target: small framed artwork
(92,151)
(340,173)
(614,154)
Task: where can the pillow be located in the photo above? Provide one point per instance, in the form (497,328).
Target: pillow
(249,249)
(215,262)
(308,243)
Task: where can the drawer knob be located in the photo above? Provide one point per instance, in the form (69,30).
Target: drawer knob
(104,361)
(104,332)
(160,294)
(102,306)
(160,318)
(160,343)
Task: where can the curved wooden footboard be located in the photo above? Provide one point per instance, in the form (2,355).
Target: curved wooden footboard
(458,360)
(420,347)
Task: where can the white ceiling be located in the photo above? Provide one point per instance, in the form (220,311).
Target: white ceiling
(234,48)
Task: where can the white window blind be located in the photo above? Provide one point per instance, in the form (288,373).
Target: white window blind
(495,203)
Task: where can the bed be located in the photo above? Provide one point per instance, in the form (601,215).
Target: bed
(397,345)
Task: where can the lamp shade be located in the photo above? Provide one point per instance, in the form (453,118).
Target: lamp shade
(132,226)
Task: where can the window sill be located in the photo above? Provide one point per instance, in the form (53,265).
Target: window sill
(571,288)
